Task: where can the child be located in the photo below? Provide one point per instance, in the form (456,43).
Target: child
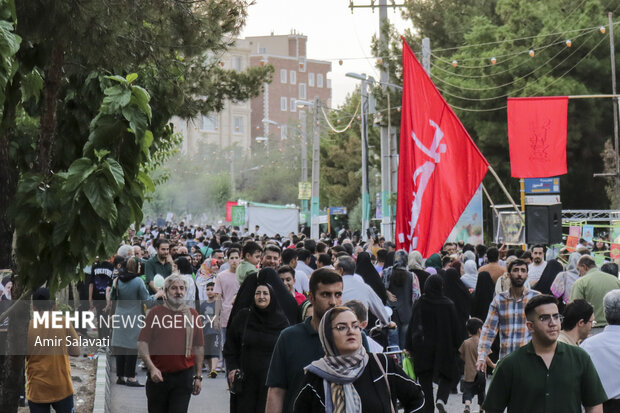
(287,275)
(474,382)
(211,329)
(251,254)
(361,312)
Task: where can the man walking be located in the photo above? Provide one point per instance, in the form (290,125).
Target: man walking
(506,315)
(545,375)
(604,348)
(299,345)
(171,346)
(160,263)
(577,323)
(592,285)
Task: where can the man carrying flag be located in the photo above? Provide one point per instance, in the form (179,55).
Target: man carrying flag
(440,167)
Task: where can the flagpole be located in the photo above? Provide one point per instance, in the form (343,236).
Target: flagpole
(612,96)
(514,205)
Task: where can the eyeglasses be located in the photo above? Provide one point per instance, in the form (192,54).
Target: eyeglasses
(545,318)
(343,329)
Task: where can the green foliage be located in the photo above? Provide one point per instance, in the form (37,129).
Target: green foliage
(477,89)
(110,135)
(84,210)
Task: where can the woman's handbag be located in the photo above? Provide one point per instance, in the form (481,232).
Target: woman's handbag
(387,382)
(237,385)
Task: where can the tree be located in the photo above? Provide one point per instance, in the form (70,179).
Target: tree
(78,142)
(477,88)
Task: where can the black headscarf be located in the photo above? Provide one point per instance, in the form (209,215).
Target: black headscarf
(245,295)
(434,331)
(270,318)
(458,292)
(370,275)
(389,260)
(482,297)
(126,273)
(552,269)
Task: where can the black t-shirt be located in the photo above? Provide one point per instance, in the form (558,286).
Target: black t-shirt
(101,278)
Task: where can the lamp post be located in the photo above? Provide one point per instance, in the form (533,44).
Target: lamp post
(365,192)
(316,163)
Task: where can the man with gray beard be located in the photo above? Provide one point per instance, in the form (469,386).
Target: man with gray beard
(171,346)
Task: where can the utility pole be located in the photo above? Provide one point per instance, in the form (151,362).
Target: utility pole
(389,151)
(304,158)
(615,105)
(316,164)
(232,173)
(365,191)
(386,159)
(426,55)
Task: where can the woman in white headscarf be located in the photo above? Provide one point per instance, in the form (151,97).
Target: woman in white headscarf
(347,379)
(470,277)
(563,283)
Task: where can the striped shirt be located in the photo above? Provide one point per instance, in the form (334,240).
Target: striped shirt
(507,314)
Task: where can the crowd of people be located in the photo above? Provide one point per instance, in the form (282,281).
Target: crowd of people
(300,325)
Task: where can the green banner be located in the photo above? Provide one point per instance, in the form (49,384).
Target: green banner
(238,216)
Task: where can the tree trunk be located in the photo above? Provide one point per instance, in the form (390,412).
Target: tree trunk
(53,75)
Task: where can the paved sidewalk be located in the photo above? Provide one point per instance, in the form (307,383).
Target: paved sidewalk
(213,398)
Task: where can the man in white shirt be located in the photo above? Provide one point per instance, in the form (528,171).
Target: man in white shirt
(536,268)
(354,289)
(604,350)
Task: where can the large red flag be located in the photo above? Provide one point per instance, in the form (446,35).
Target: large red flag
(537,136)
(439,168)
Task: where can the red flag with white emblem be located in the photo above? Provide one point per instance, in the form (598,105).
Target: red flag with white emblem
(439,168)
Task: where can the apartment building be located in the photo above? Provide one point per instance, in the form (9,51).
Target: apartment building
(295,77)
(230,126)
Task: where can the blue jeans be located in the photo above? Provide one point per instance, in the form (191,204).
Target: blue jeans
(61,406)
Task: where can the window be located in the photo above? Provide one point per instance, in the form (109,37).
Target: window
(293,105)
(311,79)
(236,63)
(209,122)
(283,104)
(238,124)
(262,50)
(302,91)
(283,132)
(319,80)
(293,77)
(282,75)
(302,64)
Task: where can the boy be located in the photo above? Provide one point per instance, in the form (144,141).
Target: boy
(474,382)
(287,275)
(211,329)
(361,312)
(251,254)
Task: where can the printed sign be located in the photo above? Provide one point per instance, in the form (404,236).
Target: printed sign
(469,226)
(238,216)
(571,243)
(614,251)
(305,190)
(574,231)
(587,232)
(542,185)
(337,210)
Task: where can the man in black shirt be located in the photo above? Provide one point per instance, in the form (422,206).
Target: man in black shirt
(98,289)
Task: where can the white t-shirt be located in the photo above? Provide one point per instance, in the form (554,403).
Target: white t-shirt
(534,272)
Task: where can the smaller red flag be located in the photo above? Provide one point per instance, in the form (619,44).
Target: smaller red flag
(537,136)
(229,205)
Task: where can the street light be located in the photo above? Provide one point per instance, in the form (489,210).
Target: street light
(316,163)
(365,192)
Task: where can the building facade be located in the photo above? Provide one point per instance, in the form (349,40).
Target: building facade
(229,127)
(275,111)
(295,77)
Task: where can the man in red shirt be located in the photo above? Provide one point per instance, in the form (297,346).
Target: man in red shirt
(171,346)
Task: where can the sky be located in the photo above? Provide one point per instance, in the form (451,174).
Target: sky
(333,34)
